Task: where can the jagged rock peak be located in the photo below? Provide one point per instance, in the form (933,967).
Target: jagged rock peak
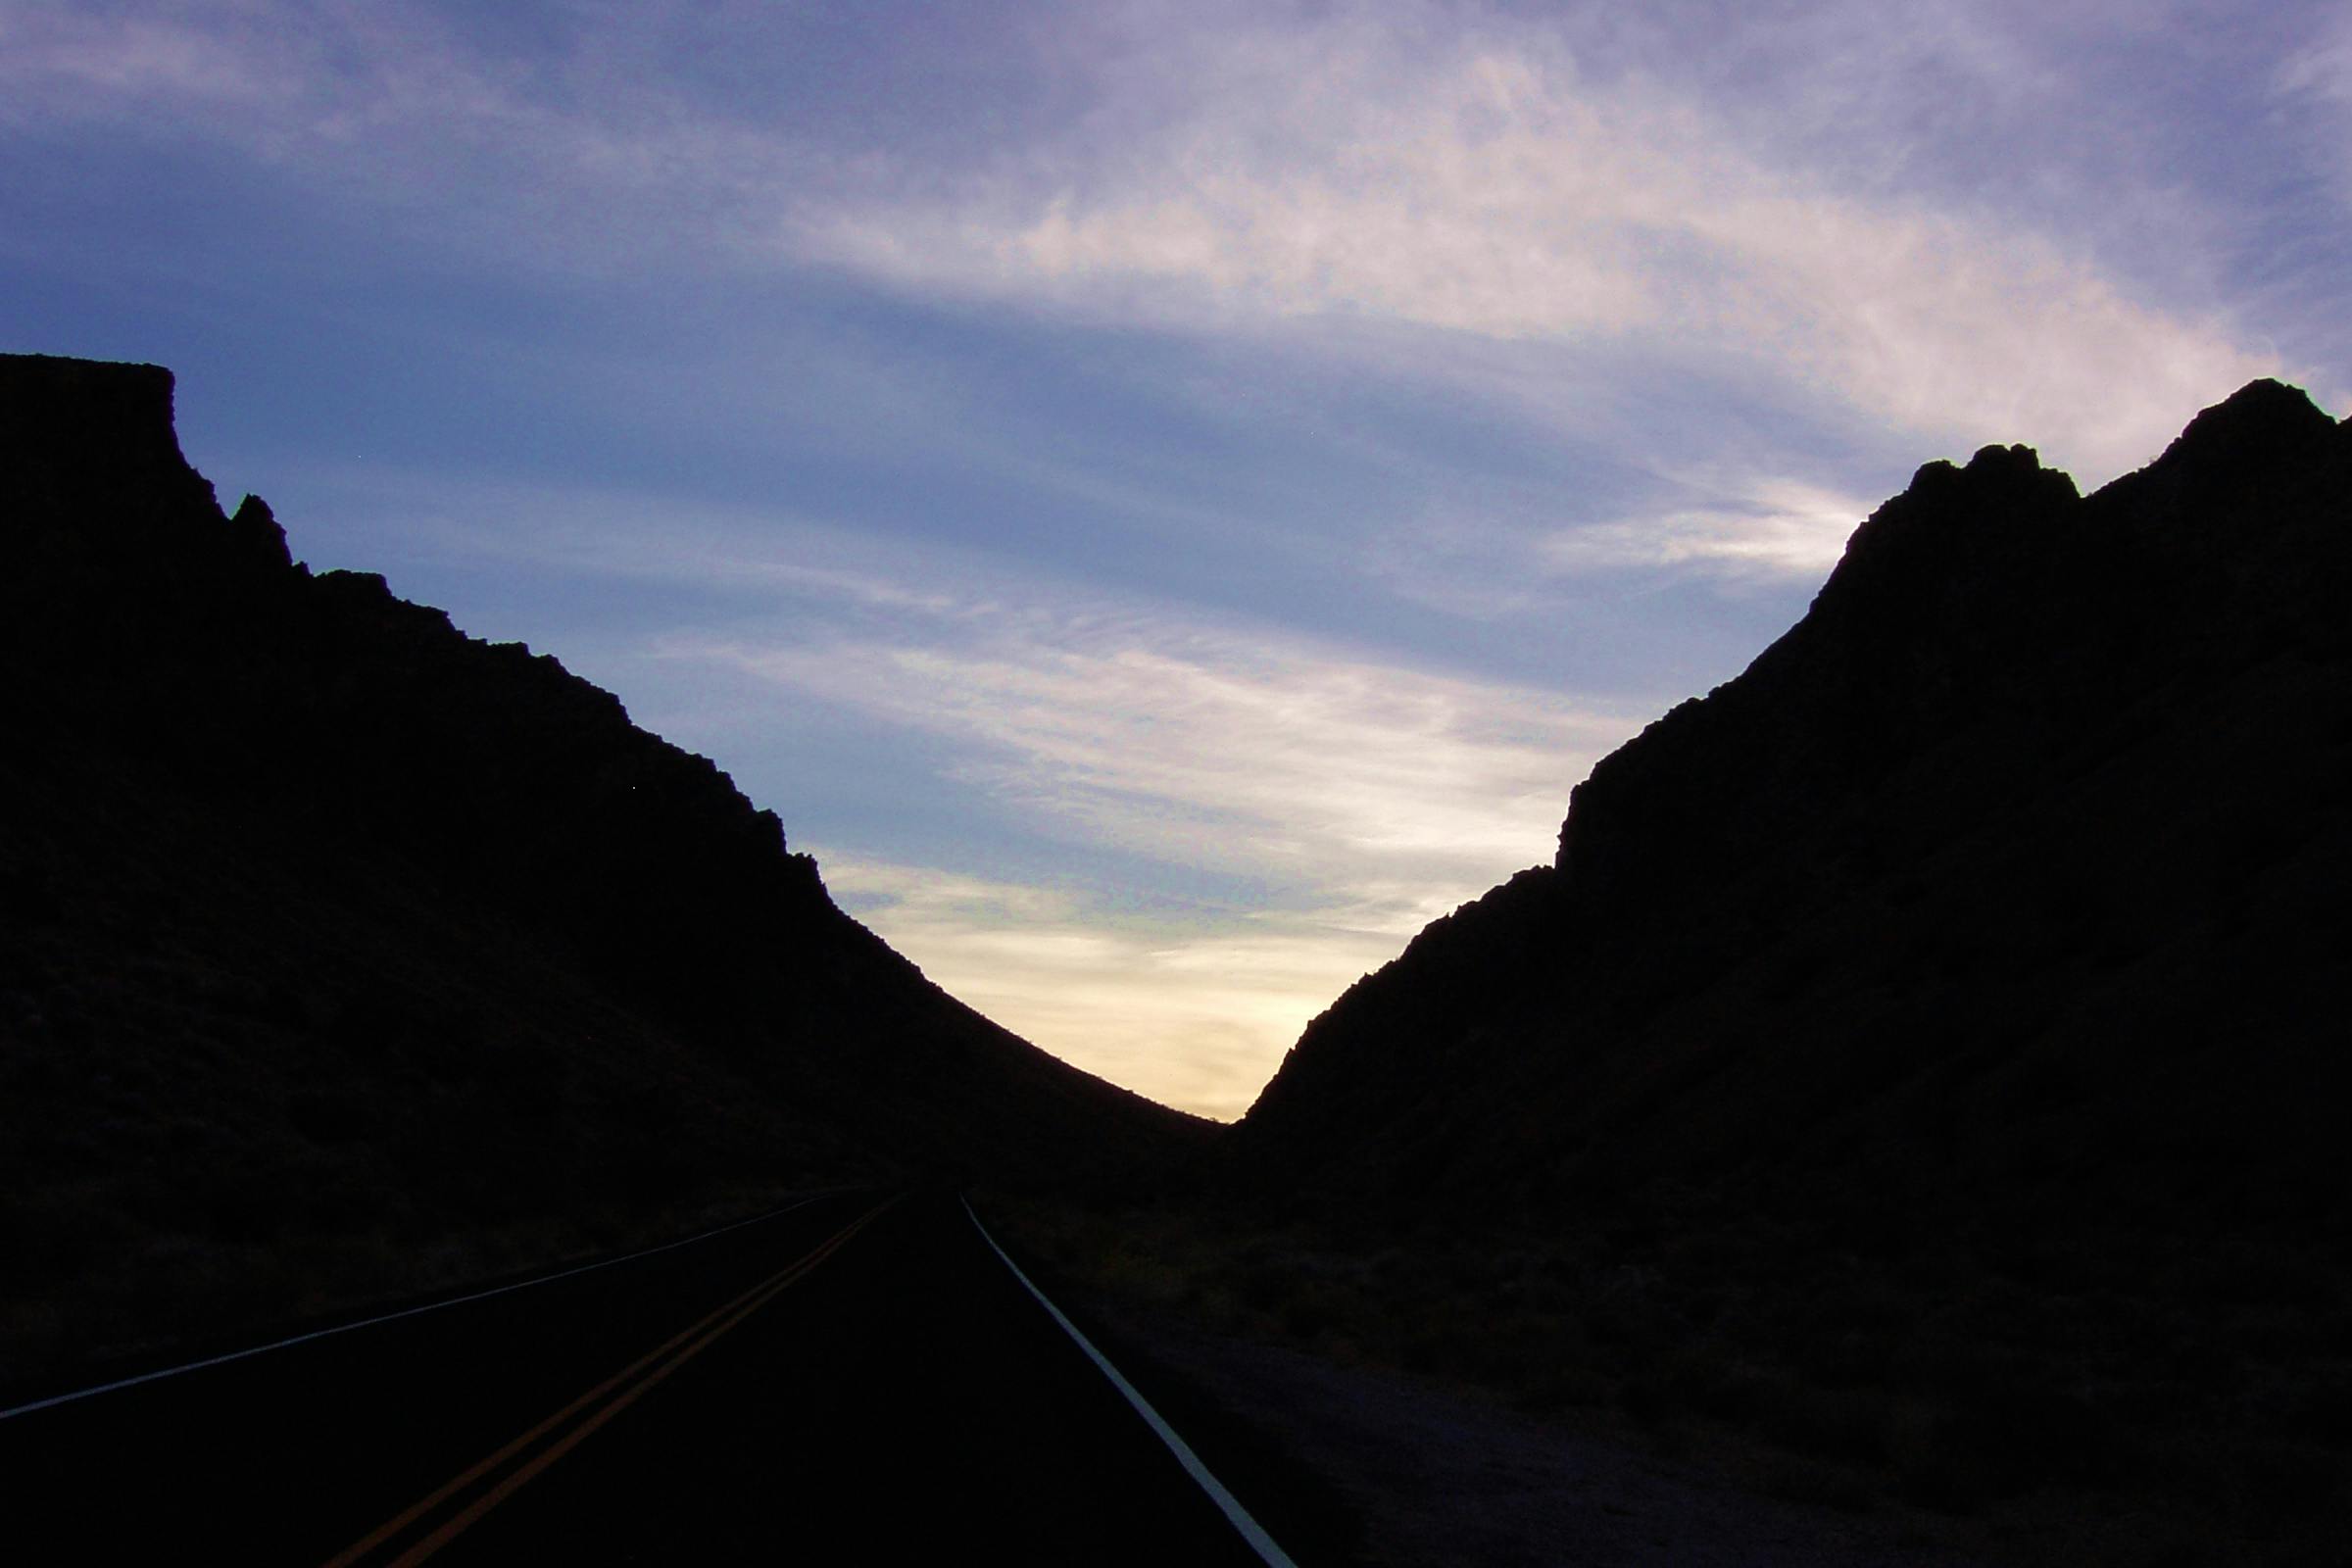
(1945,500)
(258,532)
(1992,582)
(2260,422)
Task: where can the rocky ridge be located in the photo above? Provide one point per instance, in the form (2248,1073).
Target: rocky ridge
(2045,790)
(348,952)
(1921,1071)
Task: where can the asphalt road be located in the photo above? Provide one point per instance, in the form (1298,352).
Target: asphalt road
(860,1380)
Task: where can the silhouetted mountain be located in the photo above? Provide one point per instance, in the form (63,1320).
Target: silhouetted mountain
(344,950)
(1929,1049)
(2010,878)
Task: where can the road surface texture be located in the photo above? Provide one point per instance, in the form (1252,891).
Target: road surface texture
(857,1379)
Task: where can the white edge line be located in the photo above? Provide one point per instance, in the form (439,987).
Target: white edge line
(393,1317)
(1251,1530)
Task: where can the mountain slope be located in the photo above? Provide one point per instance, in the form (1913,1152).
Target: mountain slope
(346,953)
(1922,1071)
(2001,895)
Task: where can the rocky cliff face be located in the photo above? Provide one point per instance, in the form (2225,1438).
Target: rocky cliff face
(2003,891)
(344,949)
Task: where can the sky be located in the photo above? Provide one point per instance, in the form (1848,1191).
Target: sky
(1163,500)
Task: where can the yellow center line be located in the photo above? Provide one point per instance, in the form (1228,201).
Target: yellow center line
(701,1333)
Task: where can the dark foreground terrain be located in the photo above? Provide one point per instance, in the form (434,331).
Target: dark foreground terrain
(858,1378)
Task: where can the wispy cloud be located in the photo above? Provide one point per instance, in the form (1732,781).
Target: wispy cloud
(572,156)
(75,56)
(1493,189)
(1812,229)
(2319,77)
(1775,528)
(1586,183)
(1204,746)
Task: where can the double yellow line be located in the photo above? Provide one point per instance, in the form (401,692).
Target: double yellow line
(557,1436)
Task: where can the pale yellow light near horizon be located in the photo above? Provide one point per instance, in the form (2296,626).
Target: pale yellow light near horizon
(1367,797)
(1195,1017)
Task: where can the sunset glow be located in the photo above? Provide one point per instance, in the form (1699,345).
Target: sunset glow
(1163,502)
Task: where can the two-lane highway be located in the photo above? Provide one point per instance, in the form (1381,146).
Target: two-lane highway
(860,1379)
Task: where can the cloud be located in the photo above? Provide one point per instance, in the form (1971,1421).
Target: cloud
(80,58)
(1247,751)
(1879,216)
(572,156)
(1490,187)
(1158,728)
(2319,77)
(1776,528)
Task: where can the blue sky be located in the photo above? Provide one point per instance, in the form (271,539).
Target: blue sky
(1161,500)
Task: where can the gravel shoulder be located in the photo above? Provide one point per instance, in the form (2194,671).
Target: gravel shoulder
(1427,1475)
